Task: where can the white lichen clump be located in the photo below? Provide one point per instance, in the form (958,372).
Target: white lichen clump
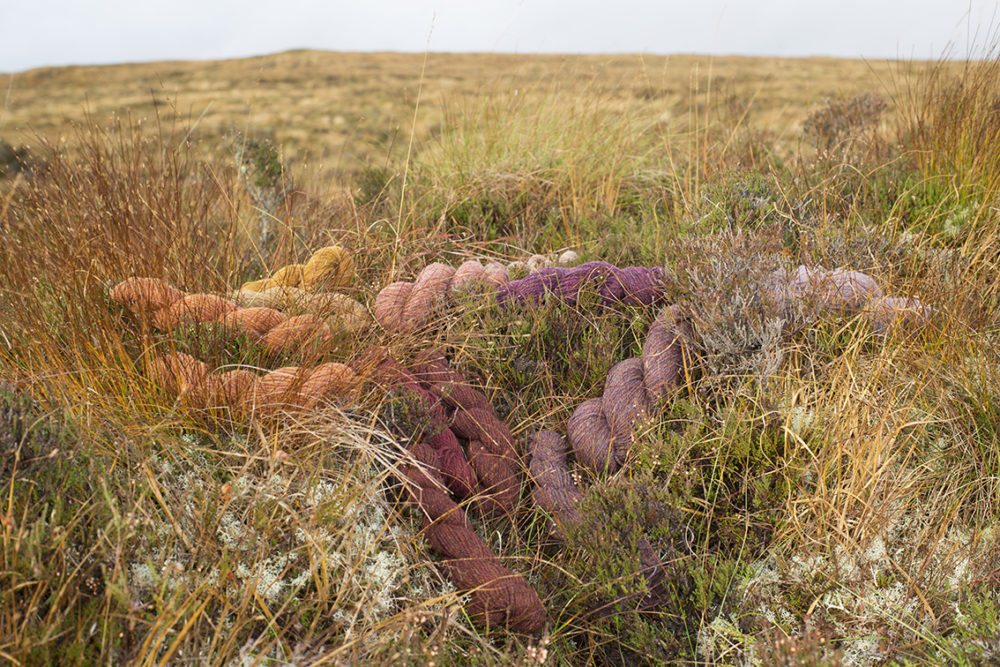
(280,538)
(857,590)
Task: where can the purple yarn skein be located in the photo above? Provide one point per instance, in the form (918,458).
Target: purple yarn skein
(632,285)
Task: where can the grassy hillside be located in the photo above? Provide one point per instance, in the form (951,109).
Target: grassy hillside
(351,109)
(820,493)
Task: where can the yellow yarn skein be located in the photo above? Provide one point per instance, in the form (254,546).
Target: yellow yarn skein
(328,269)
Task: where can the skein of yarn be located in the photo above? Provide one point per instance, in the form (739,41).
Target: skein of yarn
(168,308)
(489,442)
(843,292)
(242,393)
(299,301)
(450,460)
(602,429)
(498,597)
(554,489)
(327,270)
(632,285)
(404,306)
(557,493)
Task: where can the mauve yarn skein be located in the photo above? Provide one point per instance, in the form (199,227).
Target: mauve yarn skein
(453,466)
(601,429)
(844,292)
(497,596)
(557,493)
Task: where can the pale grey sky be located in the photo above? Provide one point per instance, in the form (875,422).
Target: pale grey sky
(57,32)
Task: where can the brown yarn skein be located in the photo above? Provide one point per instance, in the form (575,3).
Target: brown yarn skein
(499,597)
(489,442)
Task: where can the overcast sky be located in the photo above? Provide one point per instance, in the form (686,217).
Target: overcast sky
(57,32)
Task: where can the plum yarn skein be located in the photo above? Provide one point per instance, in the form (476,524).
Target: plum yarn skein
(498,596)
(557,493)
(630,285)
(601,429)
(489,443)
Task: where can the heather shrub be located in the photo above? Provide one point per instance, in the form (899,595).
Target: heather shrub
(844,128)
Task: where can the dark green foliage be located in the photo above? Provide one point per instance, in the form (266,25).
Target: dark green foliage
(501,213)
(260,163)
(405,414)
(27,436)
(632,623)
(60,572)
(13,160)
(374,188)
(266,180)
(840,122)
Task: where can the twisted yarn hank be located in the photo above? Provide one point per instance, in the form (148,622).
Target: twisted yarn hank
(489,442)
(601,430)
(632,285)
(498,596)
(844,292)
(328,269)
(404,307)
(242,393)
(556,492)
(168,308)
(554,489)
(450,461)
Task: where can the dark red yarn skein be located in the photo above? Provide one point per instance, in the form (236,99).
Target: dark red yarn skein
(498,596)
(489,442)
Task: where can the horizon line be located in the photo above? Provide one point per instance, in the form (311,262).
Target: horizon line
(556,54)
